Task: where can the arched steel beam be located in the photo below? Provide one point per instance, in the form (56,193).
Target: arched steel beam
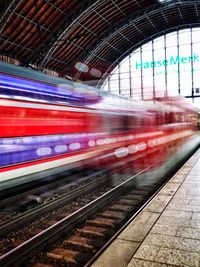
(116,30)
(42,50)
(47,49)
(131,21)
(8,13)
(90,9)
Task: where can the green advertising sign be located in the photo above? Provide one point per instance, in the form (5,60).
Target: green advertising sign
(171,61)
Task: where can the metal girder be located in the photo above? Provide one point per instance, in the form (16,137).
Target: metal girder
(164,17)
(117,29)
(55,7)
(52,46)
(101,58)
(197,11)
(102,17)
(132,19)
(86,28)
(110,24)
(116,49)
(31,21)
(67,41)
(7,14)
(180,14)
(127,39)
(118,8)
(9,52)
(5,38)
(152,23)
(48,48)
(136,2)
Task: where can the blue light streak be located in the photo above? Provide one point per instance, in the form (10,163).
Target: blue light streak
(27,90)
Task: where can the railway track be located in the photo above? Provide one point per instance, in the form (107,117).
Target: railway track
(47,213)
(76,238)
(13,223)
(20,202)
(24,207)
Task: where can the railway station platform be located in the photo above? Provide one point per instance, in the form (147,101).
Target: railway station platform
(167,232)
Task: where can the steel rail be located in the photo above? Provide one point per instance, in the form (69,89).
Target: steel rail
(49,185)
(47,207)
(18,255)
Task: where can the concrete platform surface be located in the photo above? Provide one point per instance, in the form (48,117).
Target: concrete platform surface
(167,232)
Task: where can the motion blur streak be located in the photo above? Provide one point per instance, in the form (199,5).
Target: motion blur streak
(50,124)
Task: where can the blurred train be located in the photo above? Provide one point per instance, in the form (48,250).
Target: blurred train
(49,124)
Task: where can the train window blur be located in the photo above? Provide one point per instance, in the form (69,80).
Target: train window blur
(159,119)
(84,128)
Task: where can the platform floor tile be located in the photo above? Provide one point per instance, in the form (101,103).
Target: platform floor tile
(143,263)
(180,214)
(159,203)
(134,232)
(167,256)
(117,255)
(165,241)
(188,232)
(170,188)
(180,221)
(165,229)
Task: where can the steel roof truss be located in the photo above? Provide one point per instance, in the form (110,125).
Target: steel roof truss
(8,14)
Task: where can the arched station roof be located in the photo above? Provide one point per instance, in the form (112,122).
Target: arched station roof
(56,34)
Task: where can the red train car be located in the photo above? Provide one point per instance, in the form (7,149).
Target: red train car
(50,124)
